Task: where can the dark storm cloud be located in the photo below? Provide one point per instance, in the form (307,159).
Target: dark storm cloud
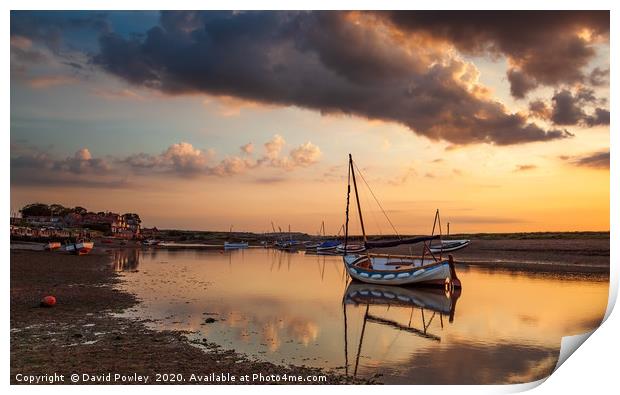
(595,160)
(599,77)
(50,27)
(546,46)
(520,83)
(321,61)
(568,109)
(600,117)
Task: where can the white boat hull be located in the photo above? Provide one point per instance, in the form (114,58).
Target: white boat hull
(351,248)
(449,245)
(235,246)
(401,271)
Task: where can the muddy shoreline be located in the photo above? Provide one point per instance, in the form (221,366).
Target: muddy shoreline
(81,335)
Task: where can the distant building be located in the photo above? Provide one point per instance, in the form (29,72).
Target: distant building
(125,226)
(44,220)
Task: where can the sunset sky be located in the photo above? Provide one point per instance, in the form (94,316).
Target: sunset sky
(202,120)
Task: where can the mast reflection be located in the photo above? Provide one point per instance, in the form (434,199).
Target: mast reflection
(437,303)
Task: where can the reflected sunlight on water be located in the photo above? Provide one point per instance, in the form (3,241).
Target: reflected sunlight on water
(301,309)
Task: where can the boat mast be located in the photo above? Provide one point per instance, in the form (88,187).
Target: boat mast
(357,197)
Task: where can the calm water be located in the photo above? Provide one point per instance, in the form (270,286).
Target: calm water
(504,327)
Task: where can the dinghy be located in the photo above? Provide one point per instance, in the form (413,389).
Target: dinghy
(350,248)
(395,269)
(52,246)
(80,247)
(449,246)
(235,245)
(328,247)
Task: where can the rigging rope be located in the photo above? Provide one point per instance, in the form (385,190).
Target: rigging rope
(376,200)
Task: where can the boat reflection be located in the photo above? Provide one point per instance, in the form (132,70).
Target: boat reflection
(431,303)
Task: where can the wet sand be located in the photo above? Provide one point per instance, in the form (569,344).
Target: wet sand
(81,334)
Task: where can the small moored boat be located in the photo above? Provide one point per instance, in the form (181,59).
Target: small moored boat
(80,247)
(449,246)
(395,269)
(235,245)
(52,246)
(350,248)
(328,247)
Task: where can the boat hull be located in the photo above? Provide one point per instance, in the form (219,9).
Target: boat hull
(449,246)
(392,272)
(426,298)
(81,248)
(235,246)
(52,246)
(351,248)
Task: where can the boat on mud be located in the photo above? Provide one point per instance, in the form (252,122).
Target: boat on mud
(52,246)
(80,247)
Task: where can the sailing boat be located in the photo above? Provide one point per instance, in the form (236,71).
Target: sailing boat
(291,245)
(448,245)
(395,269)
(329,246)
(234,245)
(312,245)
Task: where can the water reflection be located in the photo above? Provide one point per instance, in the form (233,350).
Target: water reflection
(383,298)
(301,309)
(126,260)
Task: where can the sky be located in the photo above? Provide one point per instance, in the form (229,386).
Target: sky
(203,120)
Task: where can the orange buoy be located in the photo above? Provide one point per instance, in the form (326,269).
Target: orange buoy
(48,301)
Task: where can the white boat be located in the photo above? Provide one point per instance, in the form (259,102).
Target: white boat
(235,245)
(80,247)
(395,269)
(449,246)
(311,245)
(350,248)
(401,270)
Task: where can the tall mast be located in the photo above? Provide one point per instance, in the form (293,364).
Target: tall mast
(357,197)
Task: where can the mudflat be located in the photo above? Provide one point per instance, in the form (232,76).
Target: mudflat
(81,335)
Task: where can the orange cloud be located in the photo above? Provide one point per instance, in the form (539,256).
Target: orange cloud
(51,81)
